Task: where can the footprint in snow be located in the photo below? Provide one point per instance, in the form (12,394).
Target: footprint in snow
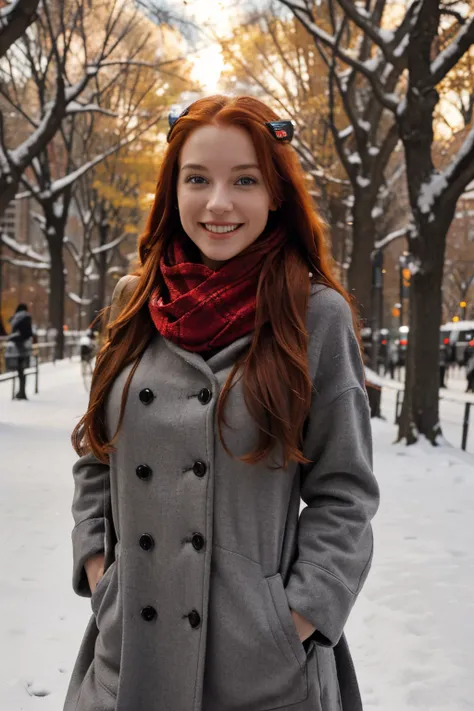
(35,689)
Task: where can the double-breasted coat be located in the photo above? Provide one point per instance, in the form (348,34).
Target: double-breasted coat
(206,555)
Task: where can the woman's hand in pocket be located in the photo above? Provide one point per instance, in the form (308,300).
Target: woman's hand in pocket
(94,567)
(304,628)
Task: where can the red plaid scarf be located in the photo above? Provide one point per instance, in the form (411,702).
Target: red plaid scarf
(205,309)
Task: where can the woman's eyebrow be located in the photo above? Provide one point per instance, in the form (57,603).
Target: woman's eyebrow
(197,166)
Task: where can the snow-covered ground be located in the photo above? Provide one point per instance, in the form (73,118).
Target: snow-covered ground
(411,631)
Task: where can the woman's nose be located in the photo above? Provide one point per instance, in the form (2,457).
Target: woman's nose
(219,202)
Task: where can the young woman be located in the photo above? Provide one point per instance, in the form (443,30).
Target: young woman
(230,388)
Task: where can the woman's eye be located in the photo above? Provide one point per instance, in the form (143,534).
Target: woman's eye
(195,179)
(249,181)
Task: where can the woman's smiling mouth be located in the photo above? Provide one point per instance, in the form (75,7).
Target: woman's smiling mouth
(220,230)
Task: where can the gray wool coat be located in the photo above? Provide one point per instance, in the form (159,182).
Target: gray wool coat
(206,556)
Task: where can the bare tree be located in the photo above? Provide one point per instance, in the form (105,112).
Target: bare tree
(63,53)
(53,172)
(433,193)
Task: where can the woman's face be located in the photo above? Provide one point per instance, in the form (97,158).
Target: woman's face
(222,199)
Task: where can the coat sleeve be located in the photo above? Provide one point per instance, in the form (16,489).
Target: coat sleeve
(91,504)
(90,507)
(335,543)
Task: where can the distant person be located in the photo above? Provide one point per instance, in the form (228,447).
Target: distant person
(443,361)
(22,336)
(87,345)
(392,358)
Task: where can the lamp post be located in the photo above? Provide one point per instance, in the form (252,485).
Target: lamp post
(404,283)
(377,305)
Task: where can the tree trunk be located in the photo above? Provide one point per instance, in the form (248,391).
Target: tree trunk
(420,411)
(2,326)
(57,288)
(360,269)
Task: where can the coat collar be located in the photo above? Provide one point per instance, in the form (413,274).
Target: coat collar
(225,358)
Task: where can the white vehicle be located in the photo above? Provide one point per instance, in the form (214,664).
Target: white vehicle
(457,336)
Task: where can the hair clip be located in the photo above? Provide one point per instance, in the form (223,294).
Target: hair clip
(281,130)
(172,118)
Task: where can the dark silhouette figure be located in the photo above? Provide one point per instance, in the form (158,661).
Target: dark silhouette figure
(21,334)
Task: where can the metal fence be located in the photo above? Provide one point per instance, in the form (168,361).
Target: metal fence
(44,351)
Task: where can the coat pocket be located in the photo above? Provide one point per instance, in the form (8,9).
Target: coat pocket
(284,626)
(254,657)
(107,610)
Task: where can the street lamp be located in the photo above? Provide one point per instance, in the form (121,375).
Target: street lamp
(463,305)
(405,275)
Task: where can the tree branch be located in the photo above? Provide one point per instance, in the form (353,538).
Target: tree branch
(449,57)
(363,68)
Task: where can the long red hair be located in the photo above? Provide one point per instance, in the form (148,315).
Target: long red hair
(274,370)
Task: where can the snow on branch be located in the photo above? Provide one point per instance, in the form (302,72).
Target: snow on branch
(396,234)
(450,56)
(110,245)
(23,249)
(448,185)
(346,132)
(58,186)
(45,266)
(362,18)
(77,299)
(14,19)
(74,107)
(367,69)
(320,174)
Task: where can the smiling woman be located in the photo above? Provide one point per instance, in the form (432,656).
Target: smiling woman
(230,388)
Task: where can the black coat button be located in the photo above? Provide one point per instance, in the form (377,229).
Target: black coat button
(148,613)
(198,541)
(143,472)
(146,542)
(204,396)
(146,396)
(199,468)
(194,618)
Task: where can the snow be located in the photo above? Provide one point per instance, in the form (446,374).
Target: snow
(410,632)
(372,64)
(399,51)
(77,299)
(22,155)
(110,245)
(446,58)
(24,249)
(354,158)
(346,132)
(363,182)
(27,264)
(431,191)
(386,36)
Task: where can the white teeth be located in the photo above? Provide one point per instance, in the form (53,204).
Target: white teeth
(221,229)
